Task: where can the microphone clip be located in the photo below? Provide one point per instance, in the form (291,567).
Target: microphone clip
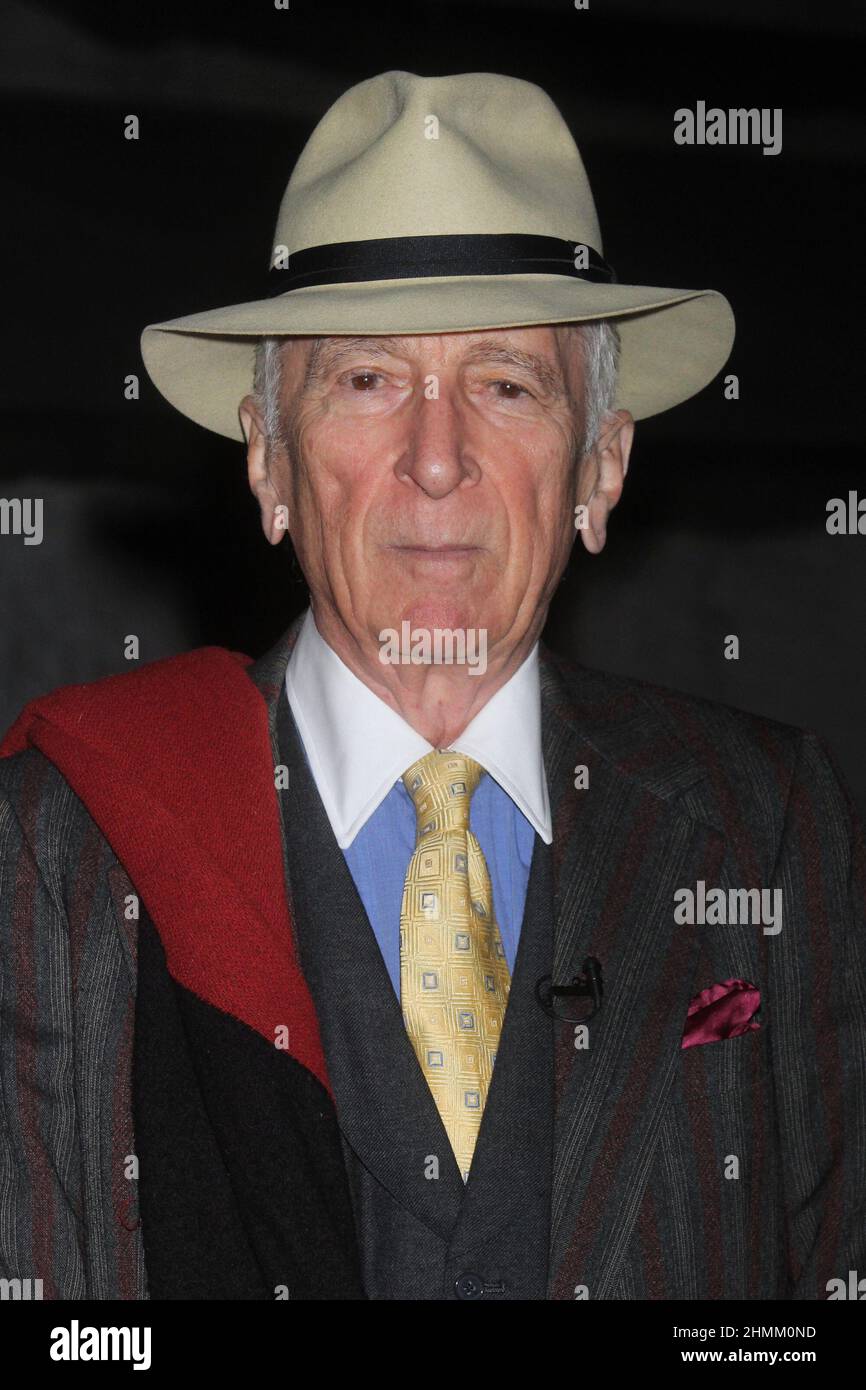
(587,985)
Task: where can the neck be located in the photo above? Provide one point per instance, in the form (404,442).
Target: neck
(437,700)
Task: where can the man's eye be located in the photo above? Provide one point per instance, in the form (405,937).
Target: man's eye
(366,377)
(514,390)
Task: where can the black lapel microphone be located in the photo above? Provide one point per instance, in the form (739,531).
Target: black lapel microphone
(588,985)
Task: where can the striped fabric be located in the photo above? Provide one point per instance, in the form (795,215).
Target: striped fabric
(728,1170)
(68,1213)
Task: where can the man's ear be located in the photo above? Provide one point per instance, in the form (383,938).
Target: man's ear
(273,512)
(602,476)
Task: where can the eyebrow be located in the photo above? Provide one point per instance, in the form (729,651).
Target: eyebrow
(328,353)
(488,350)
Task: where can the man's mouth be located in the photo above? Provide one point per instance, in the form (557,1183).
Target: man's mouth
(436,549)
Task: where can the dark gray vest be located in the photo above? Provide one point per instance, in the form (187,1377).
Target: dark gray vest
(422,1233)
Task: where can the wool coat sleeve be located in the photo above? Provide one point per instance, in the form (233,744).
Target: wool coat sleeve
(68,1199)
(41,1231)
(818,1027)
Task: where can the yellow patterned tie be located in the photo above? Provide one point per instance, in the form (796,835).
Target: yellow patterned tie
(454,977)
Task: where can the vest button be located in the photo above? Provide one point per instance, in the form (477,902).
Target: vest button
(469,1286)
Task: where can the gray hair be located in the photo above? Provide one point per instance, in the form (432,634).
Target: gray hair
(267,375)
(601,349)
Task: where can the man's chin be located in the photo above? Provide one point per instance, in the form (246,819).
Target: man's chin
(456,613)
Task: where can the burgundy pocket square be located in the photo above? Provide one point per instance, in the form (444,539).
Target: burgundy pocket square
(722,1011)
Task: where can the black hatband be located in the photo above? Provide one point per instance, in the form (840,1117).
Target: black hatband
(416,257)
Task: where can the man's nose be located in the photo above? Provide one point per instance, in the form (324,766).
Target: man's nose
(435,454)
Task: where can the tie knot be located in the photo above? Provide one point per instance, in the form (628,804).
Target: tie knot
(441,786)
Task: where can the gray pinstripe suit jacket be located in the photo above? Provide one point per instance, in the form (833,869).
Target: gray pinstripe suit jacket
(647,1202)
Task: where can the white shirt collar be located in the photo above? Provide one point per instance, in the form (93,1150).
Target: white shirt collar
(358,747)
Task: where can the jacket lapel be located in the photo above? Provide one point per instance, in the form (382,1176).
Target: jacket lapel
(622,846)
(268,674)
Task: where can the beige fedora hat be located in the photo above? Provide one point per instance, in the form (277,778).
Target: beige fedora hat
(440,205)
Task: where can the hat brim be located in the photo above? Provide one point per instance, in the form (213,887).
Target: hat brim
(674,341)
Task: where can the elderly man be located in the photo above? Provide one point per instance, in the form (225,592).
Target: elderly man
(409,961)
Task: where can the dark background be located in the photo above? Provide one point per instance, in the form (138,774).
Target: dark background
(150,528)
